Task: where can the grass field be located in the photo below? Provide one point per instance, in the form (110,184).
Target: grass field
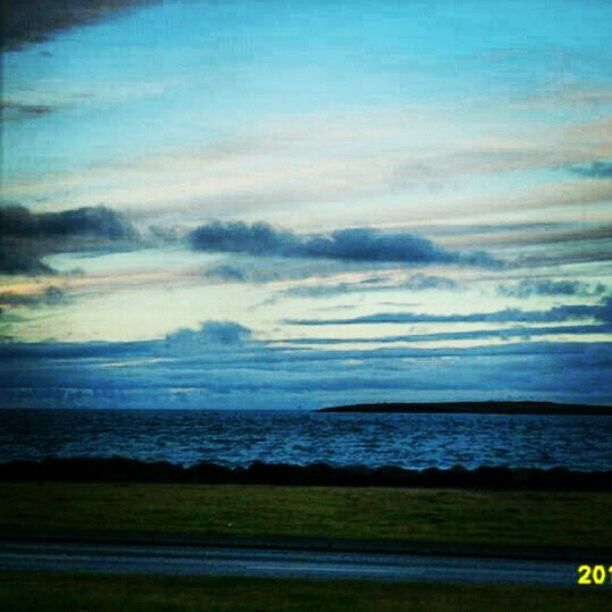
(451,516)
(21,591)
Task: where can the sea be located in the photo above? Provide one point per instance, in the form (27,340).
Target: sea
(241,437)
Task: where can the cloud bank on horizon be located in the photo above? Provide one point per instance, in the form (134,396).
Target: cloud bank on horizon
(277,205)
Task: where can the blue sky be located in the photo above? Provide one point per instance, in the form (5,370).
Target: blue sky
(413,179)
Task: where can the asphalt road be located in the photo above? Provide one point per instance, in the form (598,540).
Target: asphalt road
(219,561)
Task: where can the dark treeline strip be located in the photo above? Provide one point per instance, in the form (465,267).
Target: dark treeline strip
(540,408)
(118,469)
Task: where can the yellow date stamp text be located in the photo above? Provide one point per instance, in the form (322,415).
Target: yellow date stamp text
(594,575)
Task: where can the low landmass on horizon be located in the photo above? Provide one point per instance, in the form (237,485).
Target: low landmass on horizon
(489,407)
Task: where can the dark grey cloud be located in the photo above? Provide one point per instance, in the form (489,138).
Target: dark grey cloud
(17,110)
(31,21)
(98,221)
(529,287)
(14,260)
(26,237)
(600,312)
(349,245)
(600,169)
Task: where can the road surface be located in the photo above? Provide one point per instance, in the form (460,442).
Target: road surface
(225,561)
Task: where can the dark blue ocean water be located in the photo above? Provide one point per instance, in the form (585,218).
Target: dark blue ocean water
(240,437)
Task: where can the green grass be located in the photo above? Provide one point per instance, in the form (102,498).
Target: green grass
(453,516)
(23,591)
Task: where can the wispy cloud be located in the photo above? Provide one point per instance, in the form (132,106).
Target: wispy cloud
(229,273)
(50,296)
(10,111)
(417,282)
(358,158)
(55,95)
(544,286)
(523,333)
(600,312)
(600,169)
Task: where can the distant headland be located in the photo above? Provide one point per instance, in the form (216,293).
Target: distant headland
(489,407)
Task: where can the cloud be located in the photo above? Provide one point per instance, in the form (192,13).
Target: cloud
(63,94)
(417,282)
(26,237)
(255,374)
(350,245)
(99,221)
(600,169)
(226,273)
(243,268)
(321,290)
(32,21)
(210,333)
(51,296)
(282,163)
(250,274)
(423,282)
(529,287)
(13,261)
(600,312)
(10,111)
(507,333)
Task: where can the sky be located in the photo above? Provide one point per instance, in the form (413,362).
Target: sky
(251,204)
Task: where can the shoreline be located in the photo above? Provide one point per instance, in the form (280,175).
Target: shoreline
(119,469)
